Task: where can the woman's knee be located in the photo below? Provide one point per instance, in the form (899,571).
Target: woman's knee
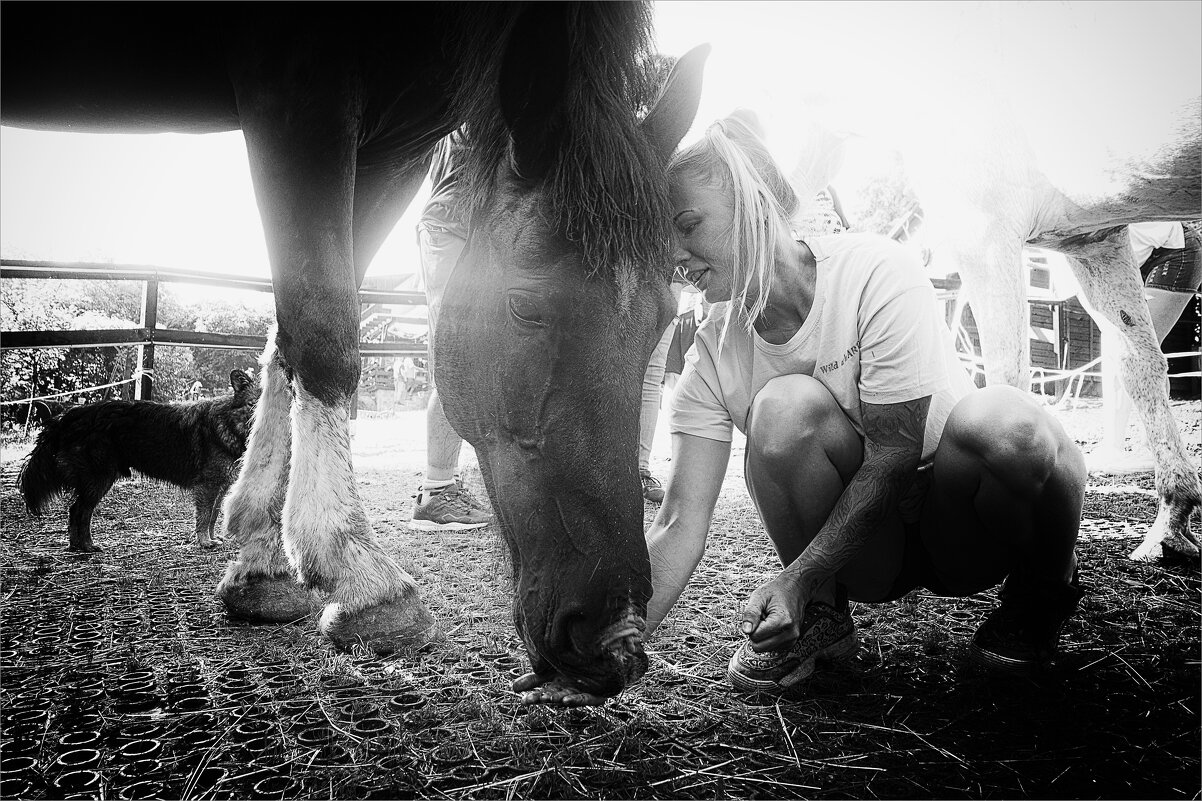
(793,412)
(1007,433)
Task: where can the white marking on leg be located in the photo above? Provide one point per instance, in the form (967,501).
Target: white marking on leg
(252,507)
(326,532)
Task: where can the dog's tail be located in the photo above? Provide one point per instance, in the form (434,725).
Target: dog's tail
(41,481)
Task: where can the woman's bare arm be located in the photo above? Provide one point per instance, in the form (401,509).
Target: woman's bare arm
(676,539)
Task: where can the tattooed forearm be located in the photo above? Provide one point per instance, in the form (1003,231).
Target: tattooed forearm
(892,450)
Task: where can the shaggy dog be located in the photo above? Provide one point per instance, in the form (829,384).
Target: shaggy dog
(195,446)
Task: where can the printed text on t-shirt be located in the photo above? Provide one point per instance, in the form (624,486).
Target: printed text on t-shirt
(836,364)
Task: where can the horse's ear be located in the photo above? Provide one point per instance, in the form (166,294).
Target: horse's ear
(532,82)
(239,381)
(669,120)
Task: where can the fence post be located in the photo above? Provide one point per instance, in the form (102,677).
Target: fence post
(144,389)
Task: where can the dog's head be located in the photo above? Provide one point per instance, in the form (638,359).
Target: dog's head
(242,411)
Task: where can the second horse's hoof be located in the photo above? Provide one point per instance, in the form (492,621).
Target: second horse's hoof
(280,600)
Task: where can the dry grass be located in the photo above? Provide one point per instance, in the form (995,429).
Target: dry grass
(281,715)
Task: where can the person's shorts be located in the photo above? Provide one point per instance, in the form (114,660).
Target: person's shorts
(917,568)
(1176,269)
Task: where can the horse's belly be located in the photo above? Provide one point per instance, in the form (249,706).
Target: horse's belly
(106,69)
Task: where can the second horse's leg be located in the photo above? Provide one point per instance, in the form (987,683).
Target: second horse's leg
(260,585)
(1113,291)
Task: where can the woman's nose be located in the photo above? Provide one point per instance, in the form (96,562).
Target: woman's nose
(679,255)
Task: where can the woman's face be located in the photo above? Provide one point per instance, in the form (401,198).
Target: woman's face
(703,226)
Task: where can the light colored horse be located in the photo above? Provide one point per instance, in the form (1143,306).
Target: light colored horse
(1000,200)
(1056,150)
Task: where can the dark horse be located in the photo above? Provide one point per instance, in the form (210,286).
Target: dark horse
(550,318)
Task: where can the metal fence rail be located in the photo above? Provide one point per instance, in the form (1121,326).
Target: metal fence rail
(146,335)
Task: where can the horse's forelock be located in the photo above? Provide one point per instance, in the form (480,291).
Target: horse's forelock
(605,189)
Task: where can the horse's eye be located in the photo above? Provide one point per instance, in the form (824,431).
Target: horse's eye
(526,310)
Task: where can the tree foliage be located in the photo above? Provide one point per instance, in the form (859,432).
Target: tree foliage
(212,366)
(49,305)
(882,202)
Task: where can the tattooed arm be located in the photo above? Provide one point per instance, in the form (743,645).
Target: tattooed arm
(892,449)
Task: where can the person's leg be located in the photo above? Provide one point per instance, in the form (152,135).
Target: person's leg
(441,502)
(801,452)
(653,380)
(442,445)
(399,391)
(1005,502)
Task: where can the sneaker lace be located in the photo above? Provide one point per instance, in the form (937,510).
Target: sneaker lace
(461,499)
(454,498)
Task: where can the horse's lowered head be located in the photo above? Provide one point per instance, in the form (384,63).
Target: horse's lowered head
(547,326)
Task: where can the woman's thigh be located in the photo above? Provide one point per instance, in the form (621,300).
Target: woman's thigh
(1001,489)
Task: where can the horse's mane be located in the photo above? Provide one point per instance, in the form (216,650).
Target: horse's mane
(605,190)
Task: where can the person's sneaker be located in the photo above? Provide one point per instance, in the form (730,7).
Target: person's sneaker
(1022,635)
(451,508)
(652,489)
(826,634)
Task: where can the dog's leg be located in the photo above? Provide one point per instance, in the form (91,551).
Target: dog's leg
(88,494)
(206,498)
(260,585)
(79,524)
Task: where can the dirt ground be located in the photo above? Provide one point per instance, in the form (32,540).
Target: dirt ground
(120,677)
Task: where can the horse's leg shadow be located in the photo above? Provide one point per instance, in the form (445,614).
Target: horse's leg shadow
(260,586)
(1113,294)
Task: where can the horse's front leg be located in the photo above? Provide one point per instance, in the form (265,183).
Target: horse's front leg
(260,586)
(301,129)
(1114,295)
(988,255)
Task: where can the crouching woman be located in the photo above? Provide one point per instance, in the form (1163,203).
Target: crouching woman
(874,463)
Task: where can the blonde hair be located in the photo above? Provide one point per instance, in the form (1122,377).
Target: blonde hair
(732,156)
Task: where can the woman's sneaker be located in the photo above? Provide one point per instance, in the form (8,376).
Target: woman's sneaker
(826,634)
(652,489)
(1022,635)
(449,508)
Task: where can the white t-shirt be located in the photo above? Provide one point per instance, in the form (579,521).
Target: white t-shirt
(1146,237)
(874,333)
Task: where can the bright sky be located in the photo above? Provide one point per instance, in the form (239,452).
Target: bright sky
(186,201)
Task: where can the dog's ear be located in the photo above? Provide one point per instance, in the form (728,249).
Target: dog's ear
(240,381)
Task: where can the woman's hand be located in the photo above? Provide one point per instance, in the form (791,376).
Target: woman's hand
(772,616)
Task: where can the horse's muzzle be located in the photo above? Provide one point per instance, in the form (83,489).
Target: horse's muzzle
(612,661)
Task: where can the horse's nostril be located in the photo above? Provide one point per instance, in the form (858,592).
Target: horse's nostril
(580,636)
(633,643)
(583,637)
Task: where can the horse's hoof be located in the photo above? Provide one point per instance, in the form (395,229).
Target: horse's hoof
(209,545)
(1178,548)
(280,600)
(404,624)
(83,547)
